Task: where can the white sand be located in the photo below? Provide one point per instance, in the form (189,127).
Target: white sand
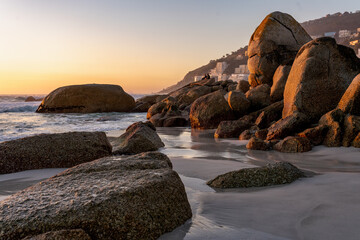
(326,206)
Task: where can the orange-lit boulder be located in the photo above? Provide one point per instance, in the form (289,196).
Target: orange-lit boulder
(350,101)
(321,73)
(275,42)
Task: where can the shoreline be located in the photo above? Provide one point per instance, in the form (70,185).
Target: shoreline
(320,207)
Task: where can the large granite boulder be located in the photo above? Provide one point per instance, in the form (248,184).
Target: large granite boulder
(61,150)
(144,103)
(209,110)
(351,128)
(279,81)
(350,101)
(271,174)
(139,137)
(88,98)
(275,42)
(132,197)
(193,94)
(321,73)
(232,129)
(316,135)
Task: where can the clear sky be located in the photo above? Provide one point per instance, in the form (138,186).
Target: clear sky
(142,45)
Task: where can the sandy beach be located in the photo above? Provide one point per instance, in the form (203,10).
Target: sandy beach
(324,206)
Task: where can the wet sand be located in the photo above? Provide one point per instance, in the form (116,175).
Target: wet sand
(325,206)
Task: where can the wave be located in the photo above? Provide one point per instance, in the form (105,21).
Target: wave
(18,109)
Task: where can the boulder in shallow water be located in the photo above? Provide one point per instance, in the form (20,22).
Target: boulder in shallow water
(256,143)
(232,129)
(293,145)
(139,137)
(88,98)
(356,142)
(316,134)
(334,121)
(118,197)
(271,174)
(60,150)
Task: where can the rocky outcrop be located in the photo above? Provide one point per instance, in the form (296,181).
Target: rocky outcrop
(193,94)
(61,150)
(279,81)
(321,73)
(209,110)
(293,145)
(238,103)
(144,103)
(288,126)
(133,197)
(139,137)
(87,98)
(259,97)
(350,101)
(32,99)
(275,42)
(269,115)
(272,174)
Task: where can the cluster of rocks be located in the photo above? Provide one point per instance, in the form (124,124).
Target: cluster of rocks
(300,93)
(132,196)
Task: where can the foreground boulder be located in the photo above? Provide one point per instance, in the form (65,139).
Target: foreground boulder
(61,150)
(73,234)
(275,42)
(134,197)
(350,101)
(209,110)
(139,137)
(88,98)
(321,73)
(256,143)
(272,174)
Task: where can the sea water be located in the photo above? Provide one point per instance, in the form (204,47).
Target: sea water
(18,119)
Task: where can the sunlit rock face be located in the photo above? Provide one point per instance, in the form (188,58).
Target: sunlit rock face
(319,77)
(275,42)
(88,98)
(118,197)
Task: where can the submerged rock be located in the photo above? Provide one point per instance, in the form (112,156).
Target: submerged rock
(139,137)
(88,98)
(132,197)
(60,150)
(321,73)
(275,42)
(272,174)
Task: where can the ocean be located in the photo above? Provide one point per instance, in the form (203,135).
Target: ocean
(18,119)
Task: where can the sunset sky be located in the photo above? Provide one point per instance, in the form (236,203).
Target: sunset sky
(142,45)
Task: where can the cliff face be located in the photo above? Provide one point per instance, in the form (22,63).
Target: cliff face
(329,23)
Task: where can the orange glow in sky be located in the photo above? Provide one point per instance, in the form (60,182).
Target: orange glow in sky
(143,45)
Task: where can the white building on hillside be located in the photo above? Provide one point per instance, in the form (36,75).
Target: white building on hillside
(330,34)
(344,33)
(197,78)
(218,71)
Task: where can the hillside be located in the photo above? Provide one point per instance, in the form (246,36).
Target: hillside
(317,27)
